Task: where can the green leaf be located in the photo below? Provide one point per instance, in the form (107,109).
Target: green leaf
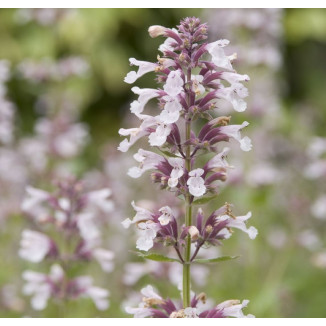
(215,260)
(203,200)
(169,154)
(157,257)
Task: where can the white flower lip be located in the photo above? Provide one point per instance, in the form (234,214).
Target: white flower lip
(196,183)
(34,246)
(144,68)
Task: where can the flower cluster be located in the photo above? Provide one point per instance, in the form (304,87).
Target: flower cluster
(46,69)
(195,76)
(43,16)
(57,137)
(155,306)
(316,169)
(162,226)
(6,107)
(67,216)
(55,285)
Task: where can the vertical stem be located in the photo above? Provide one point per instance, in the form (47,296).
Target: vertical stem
(188,220)
(186,265)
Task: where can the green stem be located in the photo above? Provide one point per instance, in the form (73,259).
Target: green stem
(186,265)
(188,220)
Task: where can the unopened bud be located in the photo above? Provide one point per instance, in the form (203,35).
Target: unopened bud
(161,60)
(182,57)
(223,121)
(193,232)
(212,106)
(203,30)
(158,68)
(156,177)
(164,180)
(152,301)
(186,43)
(223,176)
(202,297)
(161,79)
(156,30)
(194,109)
(209,229)
(206,143)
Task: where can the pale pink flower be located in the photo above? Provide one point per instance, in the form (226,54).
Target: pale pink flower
(238,223)
(234,94)
(148,161)
(166,215)
(35,246)
(318,209)
(99,296)
(171,112)
(145,95)
(233,308)
(196,183)
(158,138)
(177,171)
(219,58)
(88,227)
(142,214)
(41,286)
(144,68)
(219,161)
(34,198)
(105,258)
(233,131)
(148,231)
(99,199)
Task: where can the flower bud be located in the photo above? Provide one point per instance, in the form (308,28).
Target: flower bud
(209,229)
(156,30)
(164,180)
(202,297)
(156,177)
(152,301)
(223,121)
(193,232)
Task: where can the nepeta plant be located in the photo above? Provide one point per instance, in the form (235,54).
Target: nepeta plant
(66,233)
(194,75)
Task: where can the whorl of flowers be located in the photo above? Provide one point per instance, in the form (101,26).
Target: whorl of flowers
(316,170)
(43,16)
(68,216)
(155,306)
(49,70)
(7,109)
(194,76)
